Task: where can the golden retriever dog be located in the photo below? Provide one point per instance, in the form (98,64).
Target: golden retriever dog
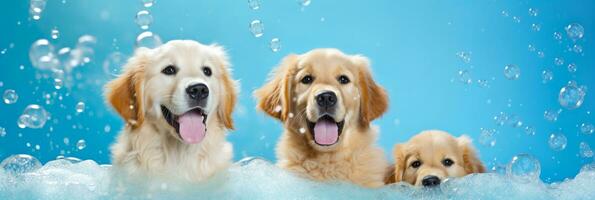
(177,101)
(432,156)
(326,101)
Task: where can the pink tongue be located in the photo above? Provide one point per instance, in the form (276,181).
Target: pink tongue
(326,132)
(192,129)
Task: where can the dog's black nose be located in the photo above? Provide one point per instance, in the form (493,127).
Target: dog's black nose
(326,99)
(430,181)
(198,91)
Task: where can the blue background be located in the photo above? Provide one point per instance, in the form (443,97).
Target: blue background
(412,46)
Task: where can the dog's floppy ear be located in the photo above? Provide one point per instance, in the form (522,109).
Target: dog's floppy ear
(374,100)
(274,97)
(472,164)
(400,162)
(224,111)
(125,93)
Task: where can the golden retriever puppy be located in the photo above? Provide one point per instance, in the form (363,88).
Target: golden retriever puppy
(177,102)
(326,100)
(432,156)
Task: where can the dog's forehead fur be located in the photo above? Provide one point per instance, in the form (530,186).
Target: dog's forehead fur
(187,53)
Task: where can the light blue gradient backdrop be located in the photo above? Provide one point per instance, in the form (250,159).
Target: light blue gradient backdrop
(412,46)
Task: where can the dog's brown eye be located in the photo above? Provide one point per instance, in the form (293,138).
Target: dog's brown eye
(207,71)
(307,79)
(448,162)
(343,79)
(170,70)
(416,164)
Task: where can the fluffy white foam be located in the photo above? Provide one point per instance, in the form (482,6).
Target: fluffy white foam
(259,179)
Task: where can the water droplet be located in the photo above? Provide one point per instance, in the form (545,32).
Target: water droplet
(148,39)
(80,107)
(546,76)
(147,3)
(587,128)
(557,36)
(36,7)
(551,115)
(464,56)
(487,137)
(575,31)
(533,12)
(536,27)
(304,3)
(254,4)
(144,19)
(10,96)
(37,147)
(571,96)
(81,144)
(558,61)
(512,72)
(55,33)
(501,118)
(256,28)
(571,67)
(66,141)
(577,48)
(465,77)
(41,55)
(585,150)
(34,116)
(530,130)
(2,132)
(112,65)
(275,44)
(557,141)
(20,163)
(107,128)
(524,168)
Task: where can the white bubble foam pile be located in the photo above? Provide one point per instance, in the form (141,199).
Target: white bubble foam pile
(259,179)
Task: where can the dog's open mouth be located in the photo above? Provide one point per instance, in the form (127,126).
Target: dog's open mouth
(190,126)
(326,130)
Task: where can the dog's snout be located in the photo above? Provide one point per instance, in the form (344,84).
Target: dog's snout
(198,91)
(430,181)
(326,99)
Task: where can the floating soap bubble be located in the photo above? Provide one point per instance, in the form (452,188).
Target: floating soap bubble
(504,13)
(499,169)
(487,137)
(531,48)
(501,118)
(465,77)
(66,59)
(148,39)
(571,96)
(80,107)
(514,121)
(558,61)
(530,130)
(557,141)
(254,4)
(55,33)
(275,44)
(540,54)
(577,48)
(585,150)
(2,132)
(512,72)
(19,164)
(557,36)
(58,83)
(464,56)
(571,67)
(42,55)
(536,27)
(256,28)
(551,114)
(587,128)
(112,65)
(304,3)
(36,7)
(144,19)
(575,31)
(483,83)
(147,3)
(516,19)
(533,12)
(10,96)
(84,48)
(524,168)
(34,116)
(547,76)
(21,121)
(81,144)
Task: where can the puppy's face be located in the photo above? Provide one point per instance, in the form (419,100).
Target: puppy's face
(181,85)
(321,94)
(432,156)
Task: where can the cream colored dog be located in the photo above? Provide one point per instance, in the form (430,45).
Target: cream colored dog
(177,102)
(432,156)
(326,100)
